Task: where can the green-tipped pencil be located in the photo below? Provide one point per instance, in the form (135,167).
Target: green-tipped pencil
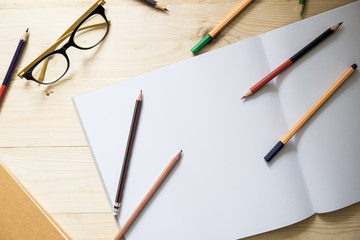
(220,26)
(301,6)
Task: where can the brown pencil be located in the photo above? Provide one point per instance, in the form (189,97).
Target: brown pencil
(155,4)
(129,145)
(148,196)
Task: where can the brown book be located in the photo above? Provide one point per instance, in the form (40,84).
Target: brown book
(21,216)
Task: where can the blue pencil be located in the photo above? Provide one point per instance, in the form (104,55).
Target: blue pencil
(16,57)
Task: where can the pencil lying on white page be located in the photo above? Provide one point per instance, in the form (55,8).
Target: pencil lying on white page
(148,196)
(126,160)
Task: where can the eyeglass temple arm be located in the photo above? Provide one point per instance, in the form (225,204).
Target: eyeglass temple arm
(77,22)
(63,36)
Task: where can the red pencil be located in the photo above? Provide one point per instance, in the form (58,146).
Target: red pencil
(291,60)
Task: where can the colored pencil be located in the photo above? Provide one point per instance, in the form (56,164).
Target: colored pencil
(310,112)
(126,160)
(13,63)
(148,196)
(291,60)
(220,26)
(155,4)
(301,6)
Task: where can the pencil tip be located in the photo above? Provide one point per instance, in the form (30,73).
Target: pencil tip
(166,9)
(27,30)
(140,97)
(247,94)
(340,23)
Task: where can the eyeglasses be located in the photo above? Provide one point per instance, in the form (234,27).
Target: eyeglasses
(87,32)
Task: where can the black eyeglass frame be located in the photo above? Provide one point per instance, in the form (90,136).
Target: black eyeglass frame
(71,43)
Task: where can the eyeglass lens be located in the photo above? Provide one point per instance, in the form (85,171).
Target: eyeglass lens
(90,33)
(51,68)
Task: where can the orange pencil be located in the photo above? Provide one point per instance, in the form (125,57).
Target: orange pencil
(148,196)
(220,26)
(309,113)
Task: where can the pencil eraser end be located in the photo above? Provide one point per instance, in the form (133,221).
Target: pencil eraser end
(116,211)
(200,44)
(273,151)
(354,66)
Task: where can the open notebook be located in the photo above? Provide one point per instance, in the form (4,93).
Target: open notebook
(222,188)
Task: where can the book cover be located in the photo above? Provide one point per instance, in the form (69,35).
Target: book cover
(21,216)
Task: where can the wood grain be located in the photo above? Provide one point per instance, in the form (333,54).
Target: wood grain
(41,138)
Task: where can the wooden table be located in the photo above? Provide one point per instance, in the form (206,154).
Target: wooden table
(42,141)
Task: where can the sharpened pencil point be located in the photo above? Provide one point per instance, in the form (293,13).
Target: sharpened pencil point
(140,97)
(247,94)
(25,36)
(166,9)
(335,27)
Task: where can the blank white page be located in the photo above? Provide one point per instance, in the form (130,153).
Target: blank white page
(328,144)
(222,188)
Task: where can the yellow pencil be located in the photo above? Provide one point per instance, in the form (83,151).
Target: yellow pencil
(309,113)
(220,26)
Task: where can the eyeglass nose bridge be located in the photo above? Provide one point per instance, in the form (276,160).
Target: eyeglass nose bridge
(65,47)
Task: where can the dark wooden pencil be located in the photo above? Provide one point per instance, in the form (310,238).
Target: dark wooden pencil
(16,57)
(155,4)
(126,160)
(291,60)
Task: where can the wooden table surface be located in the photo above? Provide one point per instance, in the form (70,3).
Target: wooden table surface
(41,139)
